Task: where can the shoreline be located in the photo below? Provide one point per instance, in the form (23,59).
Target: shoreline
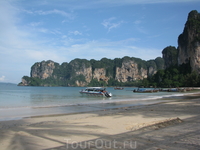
(30,112)
(174,124)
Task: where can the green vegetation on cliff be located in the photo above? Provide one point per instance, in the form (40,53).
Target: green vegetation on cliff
(174,76)
(170,56)
(75,73)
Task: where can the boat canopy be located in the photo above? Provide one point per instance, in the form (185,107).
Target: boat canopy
(96,88)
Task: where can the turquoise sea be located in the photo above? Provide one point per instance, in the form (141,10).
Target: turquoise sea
(17,102)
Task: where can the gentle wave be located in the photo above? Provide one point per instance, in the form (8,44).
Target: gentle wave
(104,101)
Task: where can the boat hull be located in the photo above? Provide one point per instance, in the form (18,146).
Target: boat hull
(92,94)
(95,91)
(118,88)
(149,91)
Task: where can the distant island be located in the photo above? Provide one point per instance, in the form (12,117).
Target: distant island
(7,83)
(178,67)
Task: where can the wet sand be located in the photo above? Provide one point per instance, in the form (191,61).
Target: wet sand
(170,125)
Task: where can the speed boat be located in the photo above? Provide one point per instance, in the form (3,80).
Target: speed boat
(95,91)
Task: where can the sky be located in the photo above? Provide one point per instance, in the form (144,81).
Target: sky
(61,30)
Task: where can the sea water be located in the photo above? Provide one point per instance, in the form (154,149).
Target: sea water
(25,101)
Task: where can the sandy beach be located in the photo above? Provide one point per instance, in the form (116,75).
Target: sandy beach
(173,125)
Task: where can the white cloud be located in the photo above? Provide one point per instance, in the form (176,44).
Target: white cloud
(146,53)
(133,2)
(109,24)
(64,21)
(54,11)
(21,47)
(110,49)
(75,32)
(39,55)
(88,4)
(142,30)
(137,22)
(11,36)
(35,24)
(139,27)
(2,78)
(45,31)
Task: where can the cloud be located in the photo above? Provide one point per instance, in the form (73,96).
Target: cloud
(35,30)
(146,53)
(139,27)
(75,32)
(11,36)
(88,4)
(137,22)
(55,11)
(35,24)
(20,46)
(133,2)
(2,78)
(109,24)
(106,23)
(39,55)
(97,49)
(141,30)
(49,12)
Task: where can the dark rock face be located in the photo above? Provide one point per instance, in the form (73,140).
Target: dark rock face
(189,42)
(170,56)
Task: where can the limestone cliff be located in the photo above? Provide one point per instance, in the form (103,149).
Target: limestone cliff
(43,69)
(152,67)
(100,74)
(80,72)
(81,67)
(24,82)
(189,42)
(130,72)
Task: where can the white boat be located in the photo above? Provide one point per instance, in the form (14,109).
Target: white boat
(96,91)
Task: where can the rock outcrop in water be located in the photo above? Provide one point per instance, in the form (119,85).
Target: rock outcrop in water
(80,72)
